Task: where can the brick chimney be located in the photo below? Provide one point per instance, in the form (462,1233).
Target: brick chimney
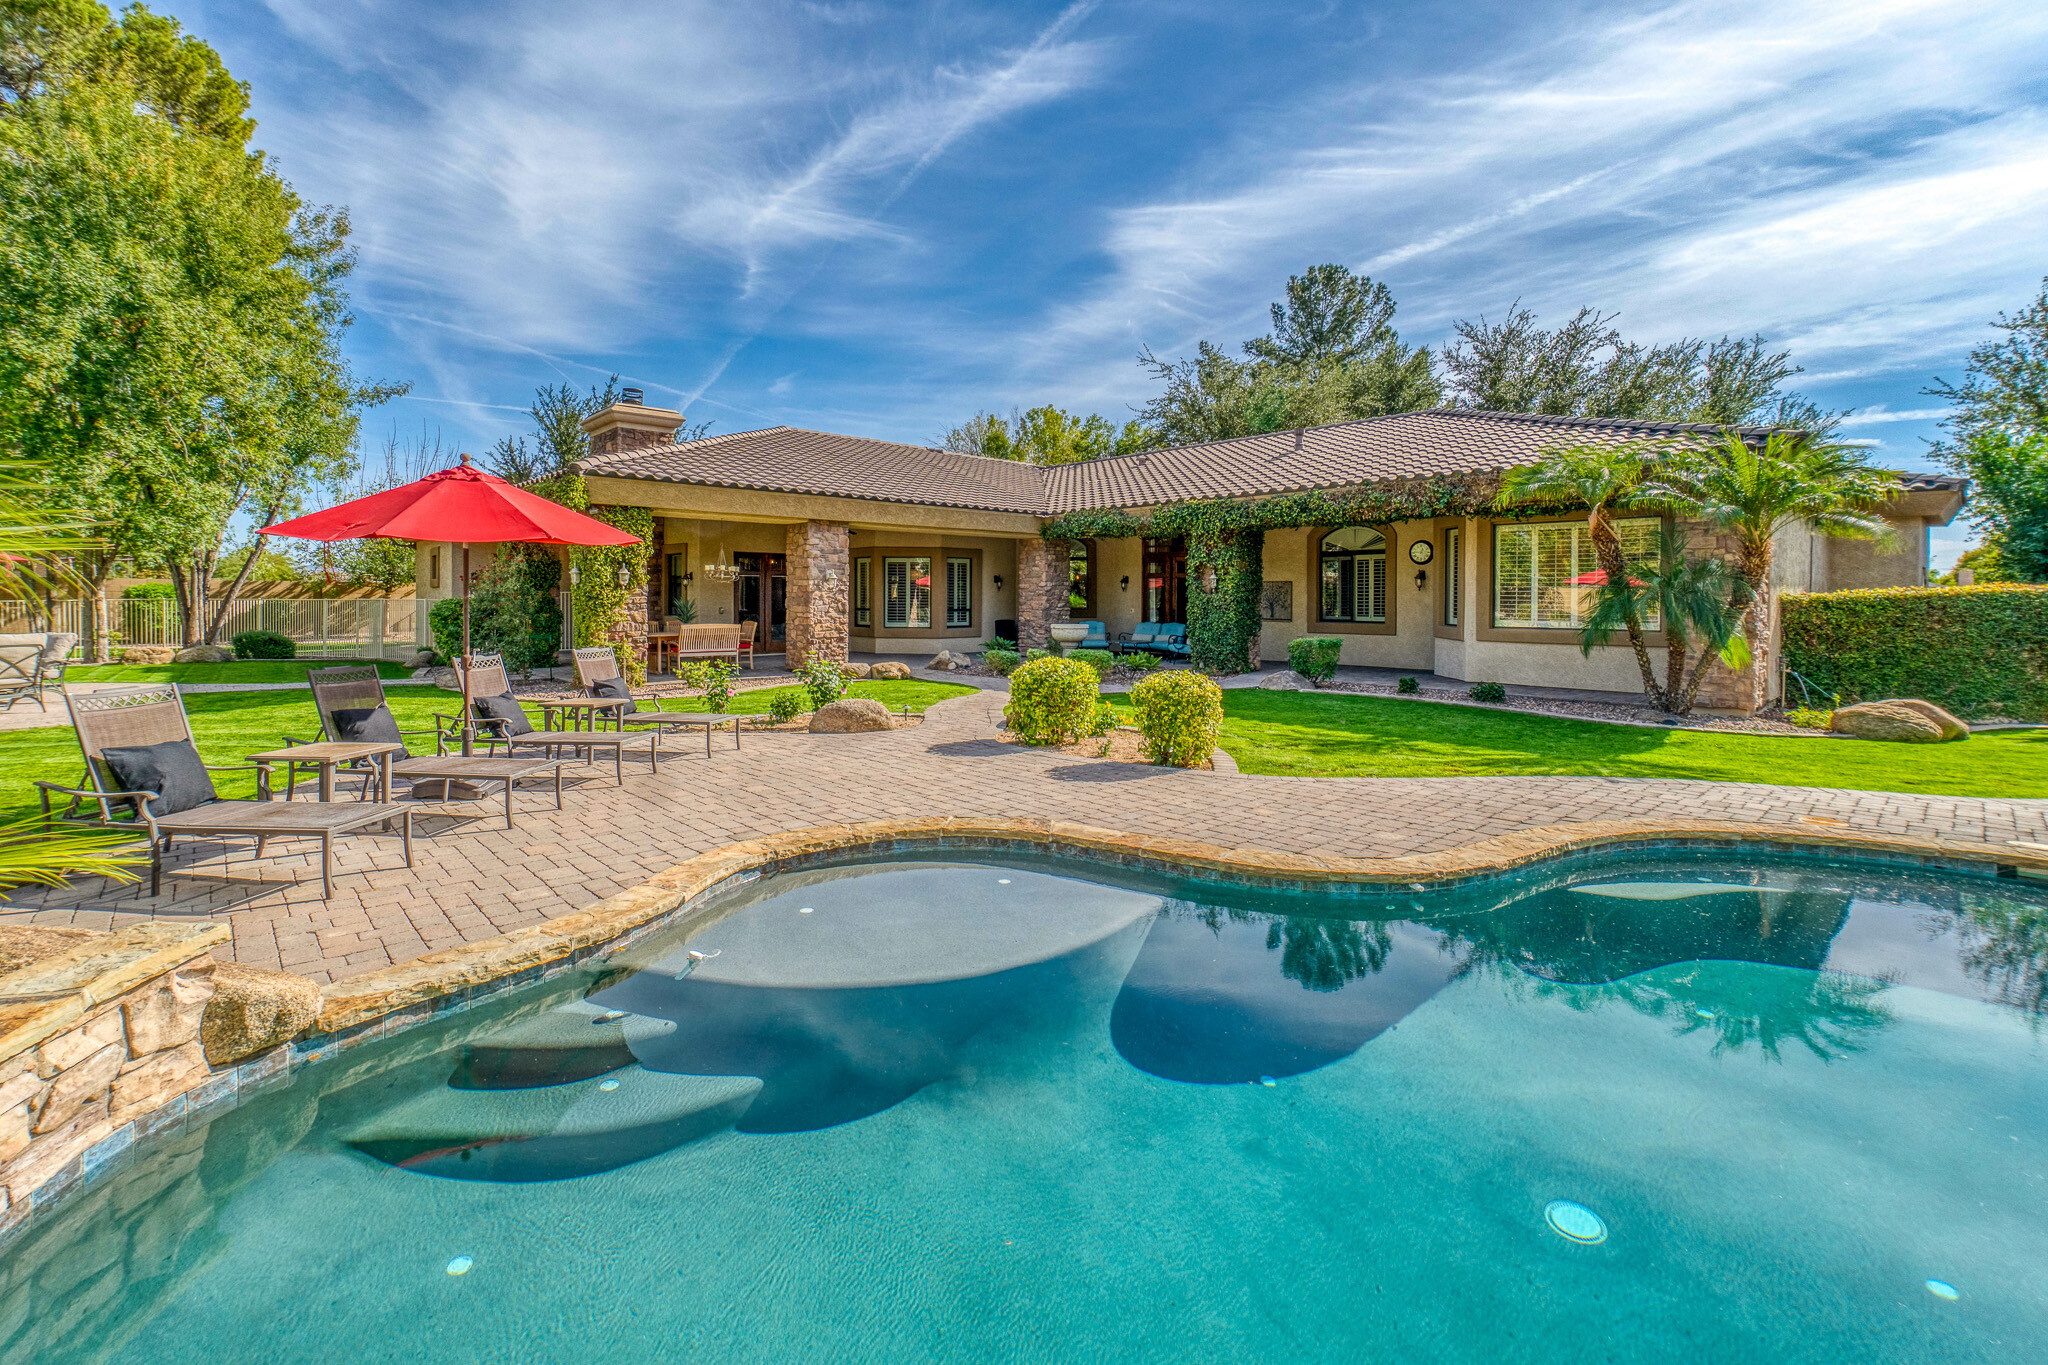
(630,425)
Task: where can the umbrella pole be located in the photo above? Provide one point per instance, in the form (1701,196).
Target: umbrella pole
(468,720)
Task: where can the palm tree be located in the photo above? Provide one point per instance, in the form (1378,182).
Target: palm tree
(1756,491)
(1689,598)
(1604,480)
(35,543)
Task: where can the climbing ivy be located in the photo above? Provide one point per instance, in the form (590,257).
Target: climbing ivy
(1223,626)
(601,614)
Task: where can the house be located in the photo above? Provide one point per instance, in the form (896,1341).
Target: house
(839,544)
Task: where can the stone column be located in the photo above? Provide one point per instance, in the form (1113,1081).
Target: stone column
(625,427)
(1041,590)
(1723,688)
(816,605)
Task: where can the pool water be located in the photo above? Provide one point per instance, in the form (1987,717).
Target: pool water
(1648,1107)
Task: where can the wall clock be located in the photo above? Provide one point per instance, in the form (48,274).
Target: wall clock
(1421,551)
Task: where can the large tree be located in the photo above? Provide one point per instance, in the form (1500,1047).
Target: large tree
(1333,356)
(1997,434)
(174,310)
(1046,435)
(1586,368)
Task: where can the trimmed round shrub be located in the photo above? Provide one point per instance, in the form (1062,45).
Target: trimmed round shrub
(1101,660)
(1315,657)
(1492,692)
(1179,714)
(1053,701)
(264,644)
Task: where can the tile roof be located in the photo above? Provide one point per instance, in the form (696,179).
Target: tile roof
(1403,446)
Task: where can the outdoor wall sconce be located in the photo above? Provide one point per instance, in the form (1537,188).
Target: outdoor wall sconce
(689,577)
(998,581)
(575,575)
(1209,580)
(624,576)
(1421,577)
(1126,584)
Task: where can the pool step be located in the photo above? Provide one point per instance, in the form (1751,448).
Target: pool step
(553,1132)
(572,1043)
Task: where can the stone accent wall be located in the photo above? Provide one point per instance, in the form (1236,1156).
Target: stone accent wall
(819,585)
(1724,689)
(627,426)
(1041,590)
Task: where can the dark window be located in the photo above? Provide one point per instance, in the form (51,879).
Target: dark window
(1354,575)
(863,604)
(1080,579)
(959,592)
(1453,575)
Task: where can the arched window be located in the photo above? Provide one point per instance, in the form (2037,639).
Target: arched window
(1354,575)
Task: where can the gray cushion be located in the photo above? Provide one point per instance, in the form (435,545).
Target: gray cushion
(172,770)
(371,725)
(615,687)
(506,710)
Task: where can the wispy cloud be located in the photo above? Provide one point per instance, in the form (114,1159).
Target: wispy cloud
(1881,415)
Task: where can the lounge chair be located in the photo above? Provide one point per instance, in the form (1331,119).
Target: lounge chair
(349,699)
(20,669)
(500,719)
(597,673)
(116,726)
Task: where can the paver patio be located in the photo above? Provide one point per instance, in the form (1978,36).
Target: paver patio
(475,884)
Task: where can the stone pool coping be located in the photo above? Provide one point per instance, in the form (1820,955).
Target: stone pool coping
(359,1008)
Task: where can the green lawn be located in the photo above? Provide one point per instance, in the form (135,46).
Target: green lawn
(240,671)
(1299,734)
(232,725)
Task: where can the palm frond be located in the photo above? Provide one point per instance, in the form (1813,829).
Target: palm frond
(33,856)
(38,532)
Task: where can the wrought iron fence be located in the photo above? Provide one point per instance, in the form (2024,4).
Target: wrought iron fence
(350,627)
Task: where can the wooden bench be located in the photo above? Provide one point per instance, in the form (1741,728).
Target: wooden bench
(697,642)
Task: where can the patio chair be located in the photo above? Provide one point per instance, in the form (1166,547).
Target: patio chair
(500,719)
(1096,638)
(142,732)
(351,703)
(20,669)
(745,657)
(597,673)
(57,649)
(1172,640)
(1139,639)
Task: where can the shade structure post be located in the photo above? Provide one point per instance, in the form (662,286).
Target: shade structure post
(468,720)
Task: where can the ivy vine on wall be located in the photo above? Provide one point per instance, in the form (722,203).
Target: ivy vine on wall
(602,617)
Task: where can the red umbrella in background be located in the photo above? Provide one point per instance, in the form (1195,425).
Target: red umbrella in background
(463,505)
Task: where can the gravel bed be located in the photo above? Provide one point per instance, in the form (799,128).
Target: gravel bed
(1763,723)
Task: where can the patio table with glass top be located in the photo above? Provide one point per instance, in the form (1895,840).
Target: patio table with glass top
(326,755)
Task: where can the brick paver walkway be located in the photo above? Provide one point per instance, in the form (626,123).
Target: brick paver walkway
(475,879)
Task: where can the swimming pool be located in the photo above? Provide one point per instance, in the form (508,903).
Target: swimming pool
(1632,1107)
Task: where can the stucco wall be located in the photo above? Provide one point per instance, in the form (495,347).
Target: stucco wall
(994,557)
(1289,558)
(1865,564)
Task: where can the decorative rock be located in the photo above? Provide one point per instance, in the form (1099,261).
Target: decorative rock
(253,1010)
(1286,680)
(1888,721)
(23,944)
(80,1087)
(148,654)
(1951,726)
(853,715)
(423,659)
(166,1013)
(204,654)
(944,661)
(894,672)
(856,671)
(445,678)
(147,1082)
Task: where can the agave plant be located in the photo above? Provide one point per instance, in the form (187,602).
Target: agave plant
(1691,598)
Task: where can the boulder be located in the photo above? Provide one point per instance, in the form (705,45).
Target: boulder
(944,661)
(1286,680)
(894,672)
(444,678)
(423,659)
(204,654)
(852,715)
(1886,720)
(148,654)
(1951,726)
(253,1009)
(856,671)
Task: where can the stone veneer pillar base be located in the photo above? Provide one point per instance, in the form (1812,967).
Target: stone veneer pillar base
(815,610)
(1042,589)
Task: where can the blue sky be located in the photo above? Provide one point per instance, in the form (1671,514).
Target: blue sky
(878,218)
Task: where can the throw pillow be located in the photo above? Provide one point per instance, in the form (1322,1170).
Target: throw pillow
(616,687)
(172,769)
(371,725)
(506,710)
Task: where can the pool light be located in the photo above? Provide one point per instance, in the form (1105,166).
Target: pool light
(460,1265)
(806,909)
(1942,1289)
(609,1083)
(1002,881)
(1575,1222)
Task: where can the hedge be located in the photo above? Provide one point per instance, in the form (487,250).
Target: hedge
(1981,652)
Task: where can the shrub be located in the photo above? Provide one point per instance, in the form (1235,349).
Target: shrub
(1810,719)
(1138,661)
(149,592)
(1407,685)
(264,644)
(786,705)
(1179,713)
(1001,662)
(1053,701)
(1101,660)
(1980,652)
(1315,657)
(714,676)
(512,613)
(823,680)
(1033,655)
(1493,692)
(1105,719)
(998,642)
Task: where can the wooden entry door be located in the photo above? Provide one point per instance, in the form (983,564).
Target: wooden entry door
(1166,580)
(761,593)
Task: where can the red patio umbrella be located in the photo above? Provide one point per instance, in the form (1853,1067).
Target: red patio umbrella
(463,505)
